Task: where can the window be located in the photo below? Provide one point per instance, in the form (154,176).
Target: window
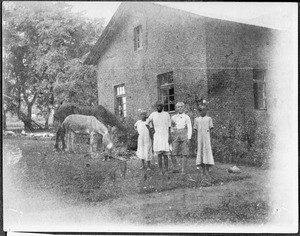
(138,37)
(120,100)
(166,91)
(259,89)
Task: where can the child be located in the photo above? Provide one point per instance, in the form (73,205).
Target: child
(144,150)
(182,136)
(203,126)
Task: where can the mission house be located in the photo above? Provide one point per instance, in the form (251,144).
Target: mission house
(149,52)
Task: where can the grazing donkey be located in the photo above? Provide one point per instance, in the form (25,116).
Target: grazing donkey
(81,124)
(100,112)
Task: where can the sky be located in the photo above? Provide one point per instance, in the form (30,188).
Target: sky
(273,15)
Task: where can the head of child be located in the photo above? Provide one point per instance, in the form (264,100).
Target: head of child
(143,116)
(180,107)
(203,111)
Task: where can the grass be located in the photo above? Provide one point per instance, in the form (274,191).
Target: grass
(82,179)
(76,180)
(227,212)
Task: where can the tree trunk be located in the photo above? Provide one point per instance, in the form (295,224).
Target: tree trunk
(46,117)
(47,122)
(27,119)
(27,126)
(29,112)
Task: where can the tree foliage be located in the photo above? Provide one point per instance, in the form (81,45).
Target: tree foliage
(44,45)
(78,84)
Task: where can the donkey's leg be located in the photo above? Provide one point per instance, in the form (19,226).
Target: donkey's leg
(62,137)
(68,140)
(96,139)
(99,143)
(72,137)
(56,146)
(92,141)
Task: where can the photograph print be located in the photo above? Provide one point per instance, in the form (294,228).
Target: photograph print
(171,117)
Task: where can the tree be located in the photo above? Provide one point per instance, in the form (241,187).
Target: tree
(72,86)
(41,40)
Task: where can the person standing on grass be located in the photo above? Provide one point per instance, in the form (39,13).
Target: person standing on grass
(203,126)
(182,127)
(161,123)
(144,149)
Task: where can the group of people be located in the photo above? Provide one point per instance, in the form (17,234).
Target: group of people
(164,136)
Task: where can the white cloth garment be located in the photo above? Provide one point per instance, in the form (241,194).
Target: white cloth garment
(204,151)
(161,122)
(144,149)
(182,121)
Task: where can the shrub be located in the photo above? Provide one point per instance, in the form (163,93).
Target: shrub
(236,149)
(128,138)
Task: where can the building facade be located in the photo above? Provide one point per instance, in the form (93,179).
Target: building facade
(150,52)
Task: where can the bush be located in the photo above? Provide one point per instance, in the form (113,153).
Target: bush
(230,150)
(237,149)
(129,138)
(262,150)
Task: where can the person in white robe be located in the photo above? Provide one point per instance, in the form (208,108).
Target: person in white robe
(161,123)
(144,147)
(203,126)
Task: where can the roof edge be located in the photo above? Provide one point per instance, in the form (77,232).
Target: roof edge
(91,58)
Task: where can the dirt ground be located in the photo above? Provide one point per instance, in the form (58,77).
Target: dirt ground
(53,191)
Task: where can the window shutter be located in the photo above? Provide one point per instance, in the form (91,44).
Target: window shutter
(261,104)
(134,39)
(141,36)
(259,88)
(255,91)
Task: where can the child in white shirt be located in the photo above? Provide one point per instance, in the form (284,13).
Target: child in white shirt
(144,149)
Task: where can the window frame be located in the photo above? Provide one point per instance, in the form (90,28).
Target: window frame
(166,86)
(138,37)
(120,96)
(259,93)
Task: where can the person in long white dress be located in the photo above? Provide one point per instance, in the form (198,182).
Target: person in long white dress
(144,147)
(203,126)
(161,123)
